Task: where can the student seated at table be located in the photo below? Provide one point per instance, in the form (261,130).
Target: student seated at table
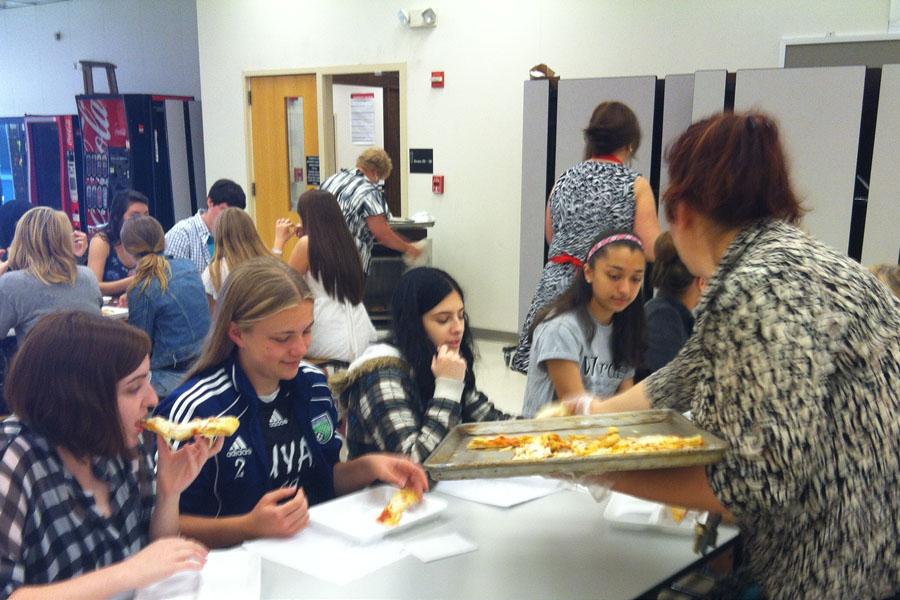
(669,317)
(237,241)
(284,456)
(43,276)
(590,339)
(407,396)
(327,258)
(166,299)
(10,213)
(84,514)
(107,257)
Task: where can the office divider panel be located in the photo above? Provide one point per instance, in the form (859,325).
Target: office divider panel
(709,94)
(677,106)
(819,113)
(534,184)
(881,240)
(577,100)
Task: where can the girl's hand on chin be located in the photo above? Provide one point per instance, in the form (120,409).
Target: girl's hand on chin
(449,364)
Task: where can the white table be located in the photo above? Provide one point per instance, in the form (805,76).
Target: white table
(559,546)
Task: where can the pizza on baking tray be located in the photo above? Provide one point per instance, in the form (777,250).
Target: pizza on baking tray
(553,445)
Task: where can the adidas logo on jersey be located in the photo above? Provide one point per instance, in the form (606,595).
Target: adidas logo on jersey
(276,420)
(238,448)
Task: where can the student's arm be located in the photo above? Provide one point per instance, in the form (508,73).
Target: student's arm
(280,513)
(394,469)
(284,230)
(299,259)
(157,561)
(386,236)
(566,377)
(98,252)
(646,223)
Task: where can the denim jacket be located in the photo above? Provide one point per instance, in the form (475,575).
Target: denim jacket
(177,319)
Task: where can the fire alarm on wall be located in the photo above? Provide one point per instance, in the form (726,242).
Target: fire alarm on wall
(437,79)
(437,184)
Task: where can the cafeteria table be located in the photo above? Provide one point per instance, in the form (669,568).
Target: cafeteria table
(558,546)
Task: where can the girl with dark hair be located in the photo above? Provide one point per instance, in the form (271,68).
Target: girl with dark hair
(407,396)
(794,361)
(327,257)
(87,510)
(166,299)
(590,340)
(107,258)
(602,192)
(669,317)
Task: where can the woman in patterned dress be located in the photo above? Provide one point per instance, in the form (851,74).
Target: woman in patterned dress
(794,361)
(600,193)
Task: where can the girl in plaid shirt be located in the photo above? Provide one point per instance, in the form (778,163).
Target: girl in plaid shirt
(406,397)
(83,513)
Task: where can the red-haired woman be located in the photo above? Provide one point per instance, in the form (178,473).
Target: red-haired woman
(793,361)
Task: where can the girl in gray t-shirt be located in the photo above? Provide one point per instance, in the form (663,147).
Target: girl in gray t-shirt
(591,338)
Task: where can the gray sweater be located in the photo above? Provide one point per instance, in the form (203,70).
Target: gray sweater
(24,299)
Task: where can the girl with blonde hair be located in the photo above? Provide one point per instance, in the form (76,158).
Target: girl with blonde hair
(166,300)
(284,456)
(43,276)
(237,241)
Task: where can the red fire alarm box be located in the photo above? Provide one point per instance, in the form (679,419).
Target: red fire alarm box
(437,184)
(437,79)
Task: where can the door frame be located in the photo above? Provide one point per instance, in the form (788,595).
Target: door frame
(325,108)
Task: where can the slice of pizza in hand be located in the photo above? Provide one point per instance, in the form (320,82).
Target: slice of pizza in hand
(179,432)
(402,500)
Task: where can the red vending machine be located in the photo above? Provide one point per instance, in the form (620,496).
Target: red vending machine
(54,159)
(149,143)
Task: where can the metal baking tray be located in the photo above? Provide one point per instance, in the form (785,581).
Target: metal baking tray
(453,460)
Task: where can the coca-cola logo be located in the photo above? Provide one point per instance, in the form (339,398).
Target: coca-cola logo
(96,116)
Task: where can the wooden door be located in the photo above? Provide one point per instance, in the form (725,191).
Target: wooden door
(275,120)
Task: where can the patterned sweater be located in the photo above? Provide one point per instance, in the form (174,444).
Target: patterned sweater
(386,414)
(794,361)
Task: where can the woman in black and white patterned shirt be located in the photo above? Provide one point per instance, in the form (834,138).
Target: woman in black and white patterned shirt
(793,361)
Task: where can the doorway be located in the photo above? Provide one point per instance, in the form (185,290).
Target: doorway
(349,95)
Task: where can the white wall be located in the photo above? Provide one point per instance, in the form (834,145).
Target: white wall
(345,151)
(474,124)
(152,42)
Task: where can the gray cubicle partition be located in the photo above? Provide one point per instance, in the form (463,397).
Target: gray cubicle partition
(677,109)
(577,100)
(709,94)
(534,184)
(819,113)
(881,240)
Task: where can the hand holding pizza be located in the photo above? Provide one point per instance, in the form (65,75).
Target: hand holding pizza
(397,470)
(177,469)
(449,364)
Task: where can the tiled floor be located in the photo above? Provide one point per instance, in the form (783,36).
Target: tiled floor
(504,387)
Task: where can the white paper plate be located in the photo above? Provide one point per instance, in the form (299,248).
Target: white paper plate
(628,512)
(356,515)
(114,312)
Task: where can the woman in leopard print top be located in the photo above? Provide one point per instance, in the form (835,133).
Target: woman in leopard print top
(793,361)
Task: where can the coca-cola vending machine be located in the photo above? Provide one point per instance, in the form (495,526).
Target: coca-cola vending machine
(149,143)
(13,160)
(54,159)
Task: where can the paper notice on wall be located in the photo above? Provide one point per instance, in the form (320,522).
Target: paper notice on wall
(362,119)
